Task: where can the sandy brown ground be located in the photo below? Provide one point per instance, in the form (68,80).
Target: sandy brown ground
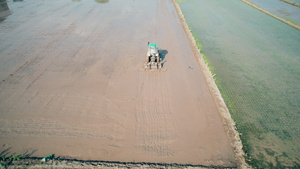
(70,85)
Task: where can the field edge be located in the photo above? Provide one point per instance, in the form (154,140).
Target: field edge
(65,162)
(294,25)
(228,122)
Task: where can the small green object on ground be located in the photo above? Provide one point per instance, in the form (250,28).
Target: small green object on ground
(48,158)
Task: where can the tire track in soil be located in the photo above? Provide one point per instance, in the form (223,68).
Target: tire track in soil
(154,124)
(86,98)
(47,128)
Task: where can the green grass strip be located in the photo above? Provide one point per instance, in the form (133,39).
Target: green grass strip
(297,26)
(290,2)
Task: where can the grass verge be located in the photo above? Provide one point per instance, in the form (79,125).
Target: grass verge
(252,131)
(207,71)
(290,2)
(293,24)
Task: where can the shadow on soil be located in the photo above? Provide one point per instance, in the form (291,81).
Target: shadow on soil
(163,54)
(4,10)
(10,158)
(7,153)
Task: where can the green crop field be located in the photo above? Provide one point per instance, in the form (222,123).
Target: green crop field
(256,59)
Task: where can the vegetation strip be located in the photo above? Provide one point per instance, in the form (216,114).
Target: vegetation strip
(60,162)
(297,26)
(229,124)
(290,2)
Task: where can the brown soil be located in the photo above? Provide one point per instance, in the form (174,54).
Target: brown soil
(70,86)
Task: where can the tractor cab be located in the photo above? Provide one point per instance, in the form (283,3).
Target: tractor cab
(152,49)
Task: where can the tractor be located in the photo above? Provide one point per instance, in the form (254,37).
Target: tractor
(153,57)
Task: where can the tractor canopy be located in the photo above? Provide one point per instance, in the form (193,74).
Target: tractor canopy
(152,44)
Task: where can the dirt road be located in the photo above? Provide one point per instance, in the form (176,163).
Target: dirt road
(70,85)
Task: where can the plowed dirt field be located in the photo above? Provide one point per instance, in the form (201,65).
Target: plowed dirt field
(70,85)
